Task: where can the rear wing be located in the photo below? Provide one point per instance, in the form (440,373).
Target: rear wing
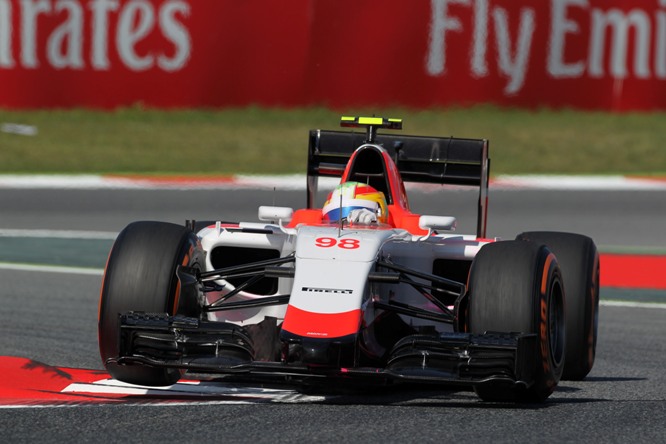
(439,160)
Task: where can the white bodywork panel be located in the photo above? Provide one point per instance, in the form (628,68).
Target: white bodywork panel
(332,265)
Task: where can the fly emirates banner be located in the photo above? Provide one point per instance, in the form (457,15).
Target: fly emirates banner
(588,54)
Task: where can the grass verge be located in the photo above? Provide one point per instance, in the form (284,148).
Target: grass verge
(274,141)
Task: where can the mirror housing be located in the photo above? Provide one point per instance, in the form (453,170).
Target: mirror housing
(279,214)
(430,223)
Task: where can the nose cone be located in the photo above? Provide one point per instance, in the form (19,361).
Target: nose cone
(327,353)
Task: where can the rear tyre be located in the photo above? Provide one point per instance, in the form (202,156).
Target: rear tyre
(517,287)
(579,261)
(140,275)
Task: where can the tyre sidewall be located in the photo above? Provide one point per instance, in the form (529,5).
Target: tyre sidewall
(513,287)
(140,276)
(579,261)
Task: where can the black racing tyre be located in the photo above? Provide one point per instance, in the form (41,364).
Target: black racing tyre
(579,261)
(516,286)
(140,276)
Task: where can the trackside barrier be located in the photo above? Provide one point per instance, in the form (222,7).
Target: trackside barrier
(589,54)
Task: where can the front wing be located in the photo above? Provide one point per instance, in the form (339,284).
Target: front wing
(456,359)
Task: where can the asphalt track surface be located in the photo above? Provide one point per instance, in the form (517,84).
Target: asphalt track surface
(51,318)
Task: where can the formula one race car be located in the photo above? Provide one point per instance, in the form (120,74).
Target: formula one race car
(359,292)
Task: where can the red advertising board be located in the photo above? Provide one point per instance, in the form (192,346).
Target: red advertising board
(589,54)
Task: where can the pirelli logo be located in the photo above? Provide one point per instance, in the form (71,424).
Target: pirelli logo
(326,290)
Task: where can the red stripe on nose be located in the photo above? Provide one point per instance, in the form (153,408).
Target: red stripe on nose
(321,325)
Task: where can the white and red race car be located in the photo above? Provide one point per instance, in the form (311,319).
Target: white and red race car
(361,292)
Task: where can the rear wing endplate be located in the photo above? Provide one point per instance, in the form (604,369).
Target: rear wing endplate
(438,160)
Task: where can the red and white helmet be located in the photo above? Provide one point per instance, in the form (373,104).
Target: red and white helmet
(350,196)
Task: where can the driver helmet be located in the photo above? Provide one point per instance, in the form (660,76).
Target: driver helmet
(350,196)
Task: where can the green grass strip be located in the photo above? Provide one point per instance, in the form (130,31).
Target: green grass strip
(274,141)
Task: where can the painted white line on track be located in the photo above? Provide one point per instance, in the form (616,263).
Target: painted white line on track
(601,183)
(163,403)
(51,269)
(298,182)
(100,272)
(193,391)
(192,388)
(58,234)
(53,181)
(631,304)
(152,403)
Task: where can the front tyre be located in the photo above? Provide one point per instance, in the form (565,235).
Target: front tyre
(516,286)
(579,260)
(140,275)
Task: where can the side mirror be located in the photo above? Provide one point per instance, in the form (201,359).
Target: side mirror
(279,214)
(437,223)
